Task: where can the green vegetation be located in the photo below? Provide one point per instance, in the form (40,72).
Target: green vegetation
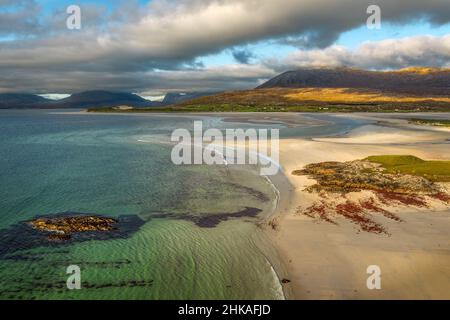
(437,171)
(311,107)
(431,122)
(226,108)
(304,100)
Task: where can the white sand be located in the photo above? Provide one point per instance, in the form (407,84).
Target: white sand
(327,261)
(374,134)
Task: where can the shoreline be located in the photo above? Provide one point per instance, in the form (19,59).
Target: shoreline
(323,261)
(278,261)
(318,256)
(360,140)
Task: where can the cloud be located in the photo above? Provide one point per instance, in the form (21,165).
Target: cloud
(392,53)
(139,41)
(168,32)
(421,50)
(19,17)
(228,77)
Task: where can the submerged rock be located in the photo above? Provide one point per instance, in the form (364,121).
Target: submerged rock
(211,220)
(61,228)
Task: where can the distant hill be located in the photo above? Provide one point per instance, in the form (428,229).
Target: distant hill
(337,89)
(21,100)
(417,81)
(86,99)
(179,97)
(92,99)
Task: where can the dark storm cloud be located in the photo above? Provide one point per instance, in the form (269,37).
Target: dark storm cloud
(213,79)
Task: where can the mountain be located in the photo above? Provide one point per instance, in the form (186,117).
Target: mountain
(416,81)
(21,100)
(92,99)
(179,97)
(337,90)
(86,99)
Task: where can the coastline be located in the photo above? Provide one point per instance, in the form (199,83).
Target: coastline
(277,259)
(325,261)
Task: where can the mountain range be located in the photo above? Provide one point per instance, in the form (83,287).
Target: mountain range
(306,87)
(93,99)
(86,99)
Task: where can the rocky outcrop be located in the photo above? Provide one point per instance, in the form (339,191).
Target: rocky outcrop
(353,176)
(357,189)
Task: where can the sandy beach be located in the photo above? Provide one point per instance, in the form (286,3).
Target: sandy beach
(322,260)
(330,261)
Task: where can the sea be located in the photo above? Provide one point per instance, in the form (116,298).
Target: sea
(57,162)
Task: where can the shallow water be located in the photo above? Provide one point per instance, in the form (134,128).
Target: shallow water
(53,162)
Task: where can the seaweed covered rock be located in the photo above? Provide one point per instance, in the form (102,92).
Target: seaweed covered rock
(61,228)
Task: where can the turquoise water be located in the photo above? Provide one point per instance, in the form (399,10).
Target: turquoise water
(53,162)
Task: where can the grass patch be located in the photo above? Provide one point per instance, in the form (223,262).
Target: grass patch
(307,107)
(437,171)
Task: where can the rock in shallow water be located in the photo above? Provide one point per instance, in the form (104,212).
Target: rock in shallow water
(62,228)
(65,228)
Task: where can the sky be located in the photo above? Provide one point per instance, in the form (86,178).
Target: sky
(159,46)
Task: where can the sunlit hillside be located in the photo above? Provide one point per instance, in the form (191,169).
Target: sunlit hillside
(422,70)
(346,95)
